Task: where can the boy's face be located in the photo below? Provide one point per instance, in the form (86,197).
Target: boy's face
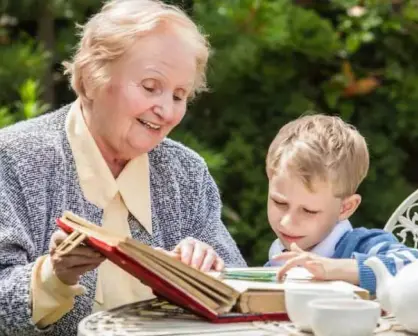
(300,216)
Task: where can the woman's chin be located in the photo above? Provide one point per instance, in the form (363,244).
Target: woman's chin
(139,148)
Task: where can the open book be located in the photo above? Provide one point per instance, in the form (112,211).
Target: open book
(211,296)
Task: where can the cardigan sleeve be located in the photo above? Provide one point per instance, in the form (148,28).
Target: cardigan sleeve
(51,299)
(386,247)
(17,256)
(208,226)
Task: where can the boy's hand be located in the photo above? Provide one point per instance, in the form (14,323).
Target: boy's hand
(320,267)
(197,254)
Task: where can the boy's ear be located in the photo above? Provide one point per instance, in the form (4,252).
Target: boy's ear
(348,206)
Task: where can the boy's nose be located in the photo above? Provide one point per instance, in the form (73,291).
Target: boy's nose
(286,220)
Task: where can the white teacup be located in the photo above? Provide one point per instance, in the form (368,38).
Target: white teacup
(297,299)
(344,317)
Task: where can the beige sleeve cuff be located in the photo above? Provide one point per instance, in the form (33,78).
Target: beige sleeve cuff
(51,298)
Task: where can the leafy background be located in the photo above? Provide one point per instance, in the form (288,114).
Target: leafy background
(272,60)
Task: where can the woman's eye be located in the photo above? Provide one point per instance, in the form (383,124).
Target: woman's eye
(149,85)
(148,88)
(179,95)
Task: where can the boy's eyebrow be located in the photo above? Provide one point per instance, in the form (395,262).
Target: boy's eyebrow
(283,198)
(278,195)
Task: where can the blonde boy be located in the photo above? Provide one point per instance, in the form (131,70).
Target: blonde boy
(314,166)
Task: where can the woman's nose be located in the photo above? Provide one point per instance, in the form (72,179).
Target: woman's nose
(164,108)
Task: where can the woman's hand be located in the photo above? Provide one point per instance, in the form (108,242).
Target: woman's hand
(69,267)
(321,268)
(198,255)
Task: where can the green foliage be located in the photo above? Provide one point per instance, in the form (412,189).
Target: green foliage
(28,106)
(20,60)
(272,61)
(23,64)
(25,59)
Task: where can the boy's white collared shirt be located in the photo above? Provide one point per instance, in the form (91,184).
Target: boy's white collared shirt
(326,248)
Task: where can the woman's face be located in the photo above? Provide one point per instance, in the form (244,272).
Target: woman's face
(146,96)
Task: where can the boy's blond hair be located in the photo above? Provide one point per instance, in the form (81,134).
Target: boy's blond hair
(320,147)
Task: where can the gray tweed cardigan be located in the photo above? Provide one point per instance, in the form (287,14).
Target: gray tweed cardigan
(38,181)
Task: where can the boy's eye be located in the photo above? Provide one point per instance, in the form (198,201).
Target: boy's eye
(311,212)
(280,203)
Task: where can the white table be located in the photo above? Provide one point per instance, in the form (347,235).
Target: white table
(144,319)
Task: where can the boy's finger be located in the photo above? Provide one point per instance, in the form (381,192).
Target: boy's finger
(317,269)
(294,247)
(285,256)
(300,260)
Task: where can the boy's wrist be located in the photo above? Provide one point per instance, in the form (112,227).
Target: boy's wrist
(345,270)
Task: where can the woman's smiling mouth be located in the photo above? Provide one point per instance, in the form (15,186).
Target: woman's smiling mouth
(149,124)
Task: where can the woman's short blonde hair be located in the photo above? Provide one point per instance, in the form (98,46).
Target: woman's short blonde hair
(112,31)
(320,147)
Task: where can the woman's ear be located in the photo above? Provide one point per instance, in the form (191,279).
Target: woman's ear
(348,206)
(88,89)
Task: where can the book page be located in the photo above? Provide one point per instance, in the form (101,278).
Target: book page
(188,271)
(265,279)
(90,229)
(268,274)
(245,286)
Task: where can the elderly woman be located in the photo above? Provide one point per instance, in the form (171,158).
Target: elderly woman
(106,157)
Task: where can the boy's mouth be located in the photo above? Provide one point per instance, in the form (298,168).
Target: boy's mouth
(290,238)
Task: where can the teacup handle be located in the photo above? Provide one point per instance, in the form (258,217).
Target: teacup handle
(357,297)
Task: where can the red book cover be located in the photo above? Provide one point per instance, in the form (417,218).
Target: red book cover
(167,290)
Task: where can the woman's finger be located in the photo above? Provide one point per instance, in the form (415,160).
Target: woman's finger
(185,250)
(57,238)
(208,261)
(85,268)
(199,254)
(172,254)
(69,261)
(219,264)
(84,251)
(70,276)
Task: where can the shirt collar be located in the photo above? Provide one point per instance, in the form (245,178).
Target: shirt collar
(325,248)
(96,180)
